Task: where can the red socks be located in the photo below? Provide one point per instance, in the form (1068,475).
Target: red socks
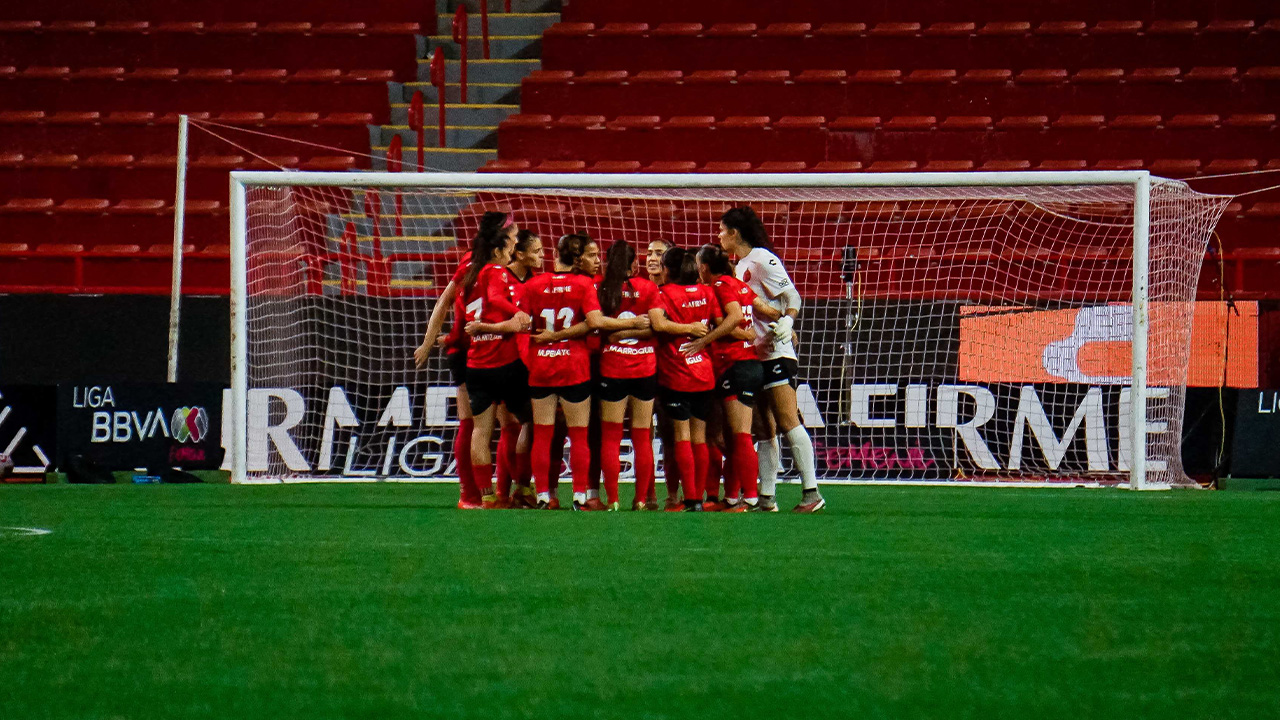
(462,457)
(642,439)
(714,464)
(688,473)
(524,469)
(484,478)
(540,457)
(557,453)
(610,451)
(699,471)
(579,458)
(745,464)
(506,458)
(731,485)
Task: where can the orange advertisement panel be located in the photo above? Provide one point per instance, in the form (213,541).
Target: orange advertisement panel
(1093,344)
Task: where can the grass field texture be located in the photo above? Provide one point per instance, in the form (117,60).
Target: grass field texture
(384,602)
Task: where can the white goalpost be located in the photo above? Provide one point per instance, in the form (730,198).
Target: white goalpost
(1026,328)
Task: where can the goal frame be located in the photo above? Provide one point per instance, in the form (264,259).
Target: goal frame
(1139,180)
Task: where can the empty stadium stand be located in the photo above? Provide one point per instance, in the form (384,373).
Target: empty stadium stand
(89,97)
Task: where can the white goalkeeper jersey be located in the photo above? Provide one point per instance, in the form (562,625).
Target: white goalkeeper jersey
(763,272)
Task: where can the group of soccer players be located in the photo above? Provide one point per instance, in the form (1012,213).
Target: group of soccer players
(571,354)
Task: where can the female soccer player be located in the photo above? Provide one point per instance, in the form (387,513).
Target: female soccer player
(455,345)
(495,373)
(515,438)
(743,235)
(653,266)
(739,374)
(685,382)
(628,372)
(564,307)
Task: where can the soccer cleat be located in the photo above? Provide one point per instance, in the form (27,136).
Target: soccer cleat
(595,505)
(465,504)
(738,507)
(640,506)
(489,502)
(542,505)
(652,505)
(524,497)
(812,507)
(762,506)
(693,507)
(715,505)
(553,504)
(502,502)
(674,504)
(613,507)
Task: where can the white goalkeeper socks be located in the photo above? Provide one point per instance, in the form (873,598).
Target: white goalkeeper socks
(802,455)
(770,457)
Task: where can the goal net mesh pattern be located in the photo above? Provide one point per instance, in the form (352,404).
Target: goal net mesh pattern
(948,334)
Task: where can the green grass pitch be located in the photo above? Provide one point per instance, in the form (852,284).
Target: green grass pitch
(363,601)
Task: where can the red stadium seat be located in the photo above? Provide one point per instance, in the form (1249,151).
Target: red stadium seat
(781,166)
(670,166)
(840,166)
(503,166)
(615,166)
(560,166)
(726,167)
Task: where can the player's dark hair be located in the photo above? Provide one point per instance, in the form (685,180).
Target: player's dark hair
(571,247)
(489,238)
(748,225)
(617,270)
(716,260)
(681,265)
(524,238)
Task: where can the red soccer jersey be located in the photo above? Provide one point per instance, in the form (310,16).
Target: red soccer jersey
(686,304)
(492,299)
(522,339)
(632,358)
(595,341)
(558,301)
(726,350)
(457,338)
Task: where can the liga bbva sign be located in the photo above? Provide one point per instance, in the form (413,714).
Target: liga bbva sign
(128,425)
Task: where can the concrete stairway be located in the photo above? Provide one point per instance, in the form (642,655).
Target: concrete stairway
(493,90)
(493,85)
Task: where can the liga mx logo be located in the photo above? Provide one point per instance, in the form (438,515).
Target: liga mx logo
(189,424)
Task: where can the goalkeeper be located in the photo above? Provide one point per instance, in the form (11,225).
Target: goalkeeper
(776,307)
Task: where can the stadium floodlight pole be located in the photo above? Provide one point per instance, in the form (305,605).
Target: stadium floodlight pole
(239,334)
(1141,328)
(179,224)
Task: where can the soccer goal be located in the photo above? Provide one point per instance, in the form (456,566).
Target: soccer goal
(1008,328)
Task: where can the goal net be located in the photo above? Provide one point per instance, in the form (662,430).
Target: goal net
(956,328)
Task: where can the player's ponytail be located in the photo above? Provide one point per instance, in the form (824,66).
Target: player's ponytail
(681,265)
(617,270)
(570,248)
(748,226)
(715,259)
(490,237)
